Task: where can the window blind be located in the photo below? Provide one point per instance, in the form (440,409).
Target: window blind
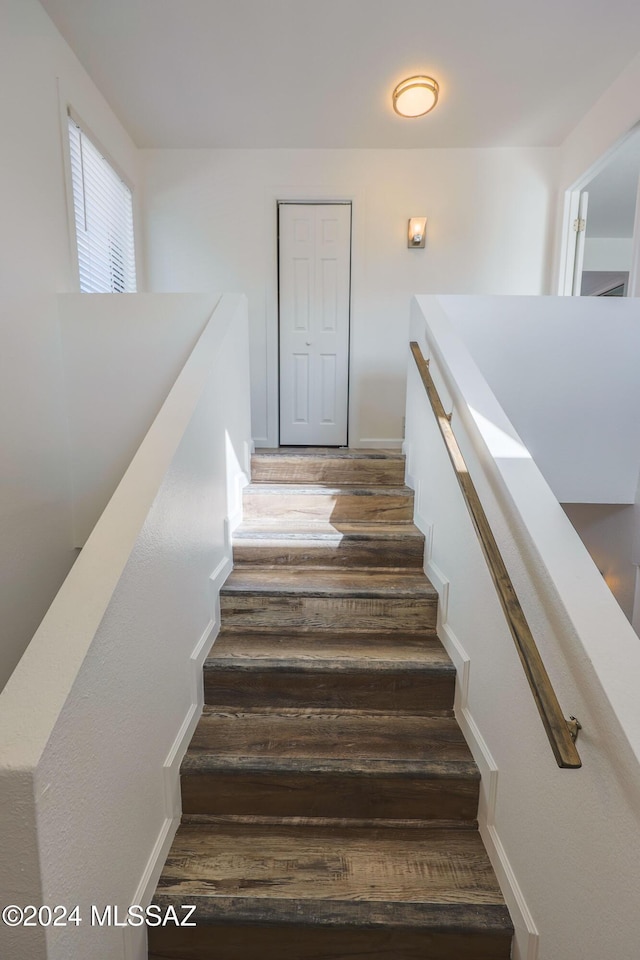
(104,219)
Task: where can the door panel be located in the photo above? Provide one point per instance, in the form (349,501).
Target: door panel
(301,293)
(301,388)
(315,276)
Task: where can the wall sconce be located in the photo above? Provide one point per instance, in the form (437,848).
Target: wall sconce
(417,232)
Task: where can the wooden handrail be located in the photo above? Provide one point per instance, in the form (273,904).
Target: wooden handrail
(561,732)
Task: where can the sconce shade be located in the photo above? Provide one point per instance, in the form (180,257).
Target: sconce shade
(415,96)
(417,232)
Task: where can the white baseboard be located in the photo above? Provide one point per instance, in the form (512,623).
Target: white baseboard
(171,766)
(423,524)
(391,443)
(249,448)
(526,941)
(240,481)
(135,939)
(259,442)
(409,478)
(221,573)
(231,524)
(437,578)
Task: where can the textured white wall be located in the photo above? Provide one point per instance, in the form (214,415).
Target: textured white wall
(121,356)
(211,224)
(38,74)
(565,369)
(565,843)
(116,666)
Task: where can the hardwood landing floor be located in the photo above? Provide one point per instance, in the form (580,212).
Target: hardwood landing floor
(329,798)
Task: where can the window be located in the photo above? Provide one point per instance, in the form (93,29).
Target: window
(104,219)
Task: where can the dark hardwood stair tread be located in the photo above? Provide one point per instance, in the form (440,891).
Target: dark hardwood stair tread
(269,488)
(286,465)
(345,875)
(330,583)
(329,797)
(369,651)
(201,763)
(326,741)
(334,823)
(270,529)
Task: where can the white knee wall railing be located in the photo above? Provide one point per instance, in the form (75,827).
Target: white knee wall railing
(565,845)
(95,719)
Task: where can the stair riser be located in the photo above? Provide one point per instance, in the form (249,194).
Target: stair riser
(336,507)
(363,614)
(296,794)
(335,470)
(346,690)
(229,942)
(345,553)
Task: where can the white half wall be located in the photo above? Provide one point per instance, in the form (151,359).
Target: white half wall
(121,356)
(565,370)
(565,843)
(90,778)
(211,224)
(39,74)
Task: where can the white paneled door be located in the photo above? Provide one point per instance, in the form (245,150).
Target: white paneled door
(314,252)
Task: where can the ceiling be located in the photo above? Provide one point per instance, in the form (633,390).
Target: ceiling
(319,73)
(612,193)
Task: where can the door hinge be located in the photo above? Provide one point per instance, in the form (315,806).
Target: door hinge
(579,224)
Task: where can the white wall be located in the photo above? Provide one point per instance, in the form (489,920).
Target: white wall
(609,121)
(565,370)
(38,74)
(121,356)
(607,531)
(211,224)
(90,777)
(565,843)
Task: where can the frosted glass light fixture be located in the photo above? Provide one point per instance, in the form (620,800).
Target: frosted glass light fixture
(415,96)
(417,232)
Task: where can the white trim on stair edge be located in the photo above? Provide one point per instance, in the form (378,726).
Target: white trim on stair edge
(526,942)
(390,443)
(135,938)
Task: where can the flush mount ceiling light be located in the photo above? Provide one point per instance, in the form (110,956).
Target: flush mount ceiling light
(415,96)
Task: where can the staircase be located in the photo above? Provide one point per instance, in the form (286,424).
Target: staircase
(329,798)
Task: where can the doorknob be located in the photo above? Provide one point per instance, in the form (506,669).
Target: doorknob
(308,342)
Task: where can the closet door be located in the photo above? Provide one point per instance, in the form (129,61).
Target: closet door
(314,250)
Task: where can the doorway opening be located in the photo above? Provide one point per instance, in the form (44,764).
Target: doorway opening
(602,252)
(314,316)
